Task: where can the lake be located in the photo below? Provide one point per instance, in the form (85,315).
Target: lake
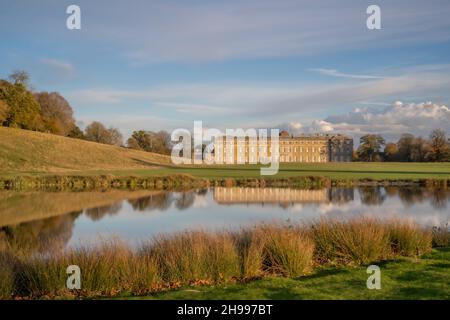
(46,221)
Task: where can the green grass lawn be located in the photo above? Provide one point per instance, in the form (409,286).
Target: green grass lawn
(338,171)
(24,152)
(425,278)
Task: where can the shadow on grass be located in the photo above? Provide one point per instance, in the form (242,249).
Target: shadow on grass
(152,164)
(323,273)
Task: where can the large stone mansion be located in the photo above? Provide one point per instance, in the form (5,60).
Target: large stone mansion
(303,148)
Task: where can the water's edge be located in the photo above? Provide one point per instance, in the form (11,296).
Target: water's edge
(184,181)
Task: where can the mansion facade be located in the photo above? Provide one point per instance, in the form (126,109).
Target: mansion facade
(304,148)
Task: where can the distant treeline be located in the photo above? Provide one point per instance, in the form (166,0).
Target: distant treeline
(50,112)
(20,107)
(409,148)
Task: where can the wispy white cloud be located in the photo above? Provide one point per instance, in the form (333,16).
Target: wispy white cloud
(198,109)
(263,101)
(203,31)
(336,73)
(58,67)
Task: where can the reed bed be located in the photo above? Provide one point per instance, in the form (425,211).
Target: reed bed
(202,258)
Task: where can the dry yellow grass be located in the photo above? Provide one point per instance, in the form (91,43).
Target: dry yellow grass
(23,151)
(200,257)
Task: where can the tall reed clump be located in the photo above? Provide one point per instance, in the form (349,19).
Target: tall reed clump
(249,246)
(441,235)
(192,256)
(107,269)
(199,257)
(287,250)
(7,263)
(357,241)
(408,239)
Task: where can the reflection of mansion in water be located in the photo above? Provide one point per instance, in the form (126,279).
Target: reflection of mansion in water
(285,196)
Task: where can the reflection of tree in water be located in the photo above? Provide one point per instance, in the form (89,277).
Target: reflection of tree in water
(98,213)
(439,198)
(39,236)
(341,195)
(185,200)
(372,195)
(411,195)
(391,191)
(202,192)
(160,201)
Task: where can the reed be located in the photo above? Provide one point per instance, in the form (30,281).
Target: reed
(287,251)
(409,239)
(199,257)
(357,241)
(441,235)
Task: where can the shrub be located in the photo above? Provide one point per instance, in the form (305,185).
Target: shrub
(441,236)
(198,257)
(287,251)
(6,276)
(357,241)
(191,256)
(249,245)
(408,239)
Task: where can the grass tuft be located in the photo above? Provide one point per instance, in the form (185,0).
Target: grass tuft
(198,257)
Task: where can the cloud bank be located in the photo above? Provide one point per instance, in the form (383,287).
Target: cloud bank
(391,122)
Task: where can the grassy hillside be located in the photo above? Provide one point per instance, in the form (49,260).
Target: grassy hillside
(32,153)
(23,151)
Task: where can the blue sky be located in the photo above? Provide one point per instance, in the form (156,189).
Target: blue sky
(308,66)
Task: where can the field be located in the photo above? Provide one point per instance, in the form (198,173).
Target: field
(335,171)
(36,154)
(28,152)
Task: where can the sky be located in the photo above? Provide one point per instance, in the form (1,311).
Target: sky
(306,66)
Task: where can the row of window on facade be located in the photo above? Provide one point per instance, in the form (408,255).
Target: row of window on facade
(282,149)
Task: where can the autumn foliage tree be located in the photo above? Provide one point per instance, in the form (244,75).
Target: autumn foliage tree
(440,149)
(370,147)
(57,114)
(22,110)
(158,142)
(97,132)
(391,152)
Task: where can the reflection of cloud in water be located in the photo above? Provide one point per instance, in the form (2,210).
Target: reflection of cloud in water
(147,213)
(200,201)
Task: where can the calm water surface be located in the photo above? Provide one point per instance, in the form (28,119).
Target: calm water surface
(66,219)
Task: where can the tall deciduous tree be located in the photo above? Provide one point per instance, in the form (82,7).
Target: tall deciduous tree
(76,133)
(370,147)
(158,142)
(391,152)
(19,77)
(440,150)
(97,132)
(405,145)
(4,109)
(57,114)
(23,111)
